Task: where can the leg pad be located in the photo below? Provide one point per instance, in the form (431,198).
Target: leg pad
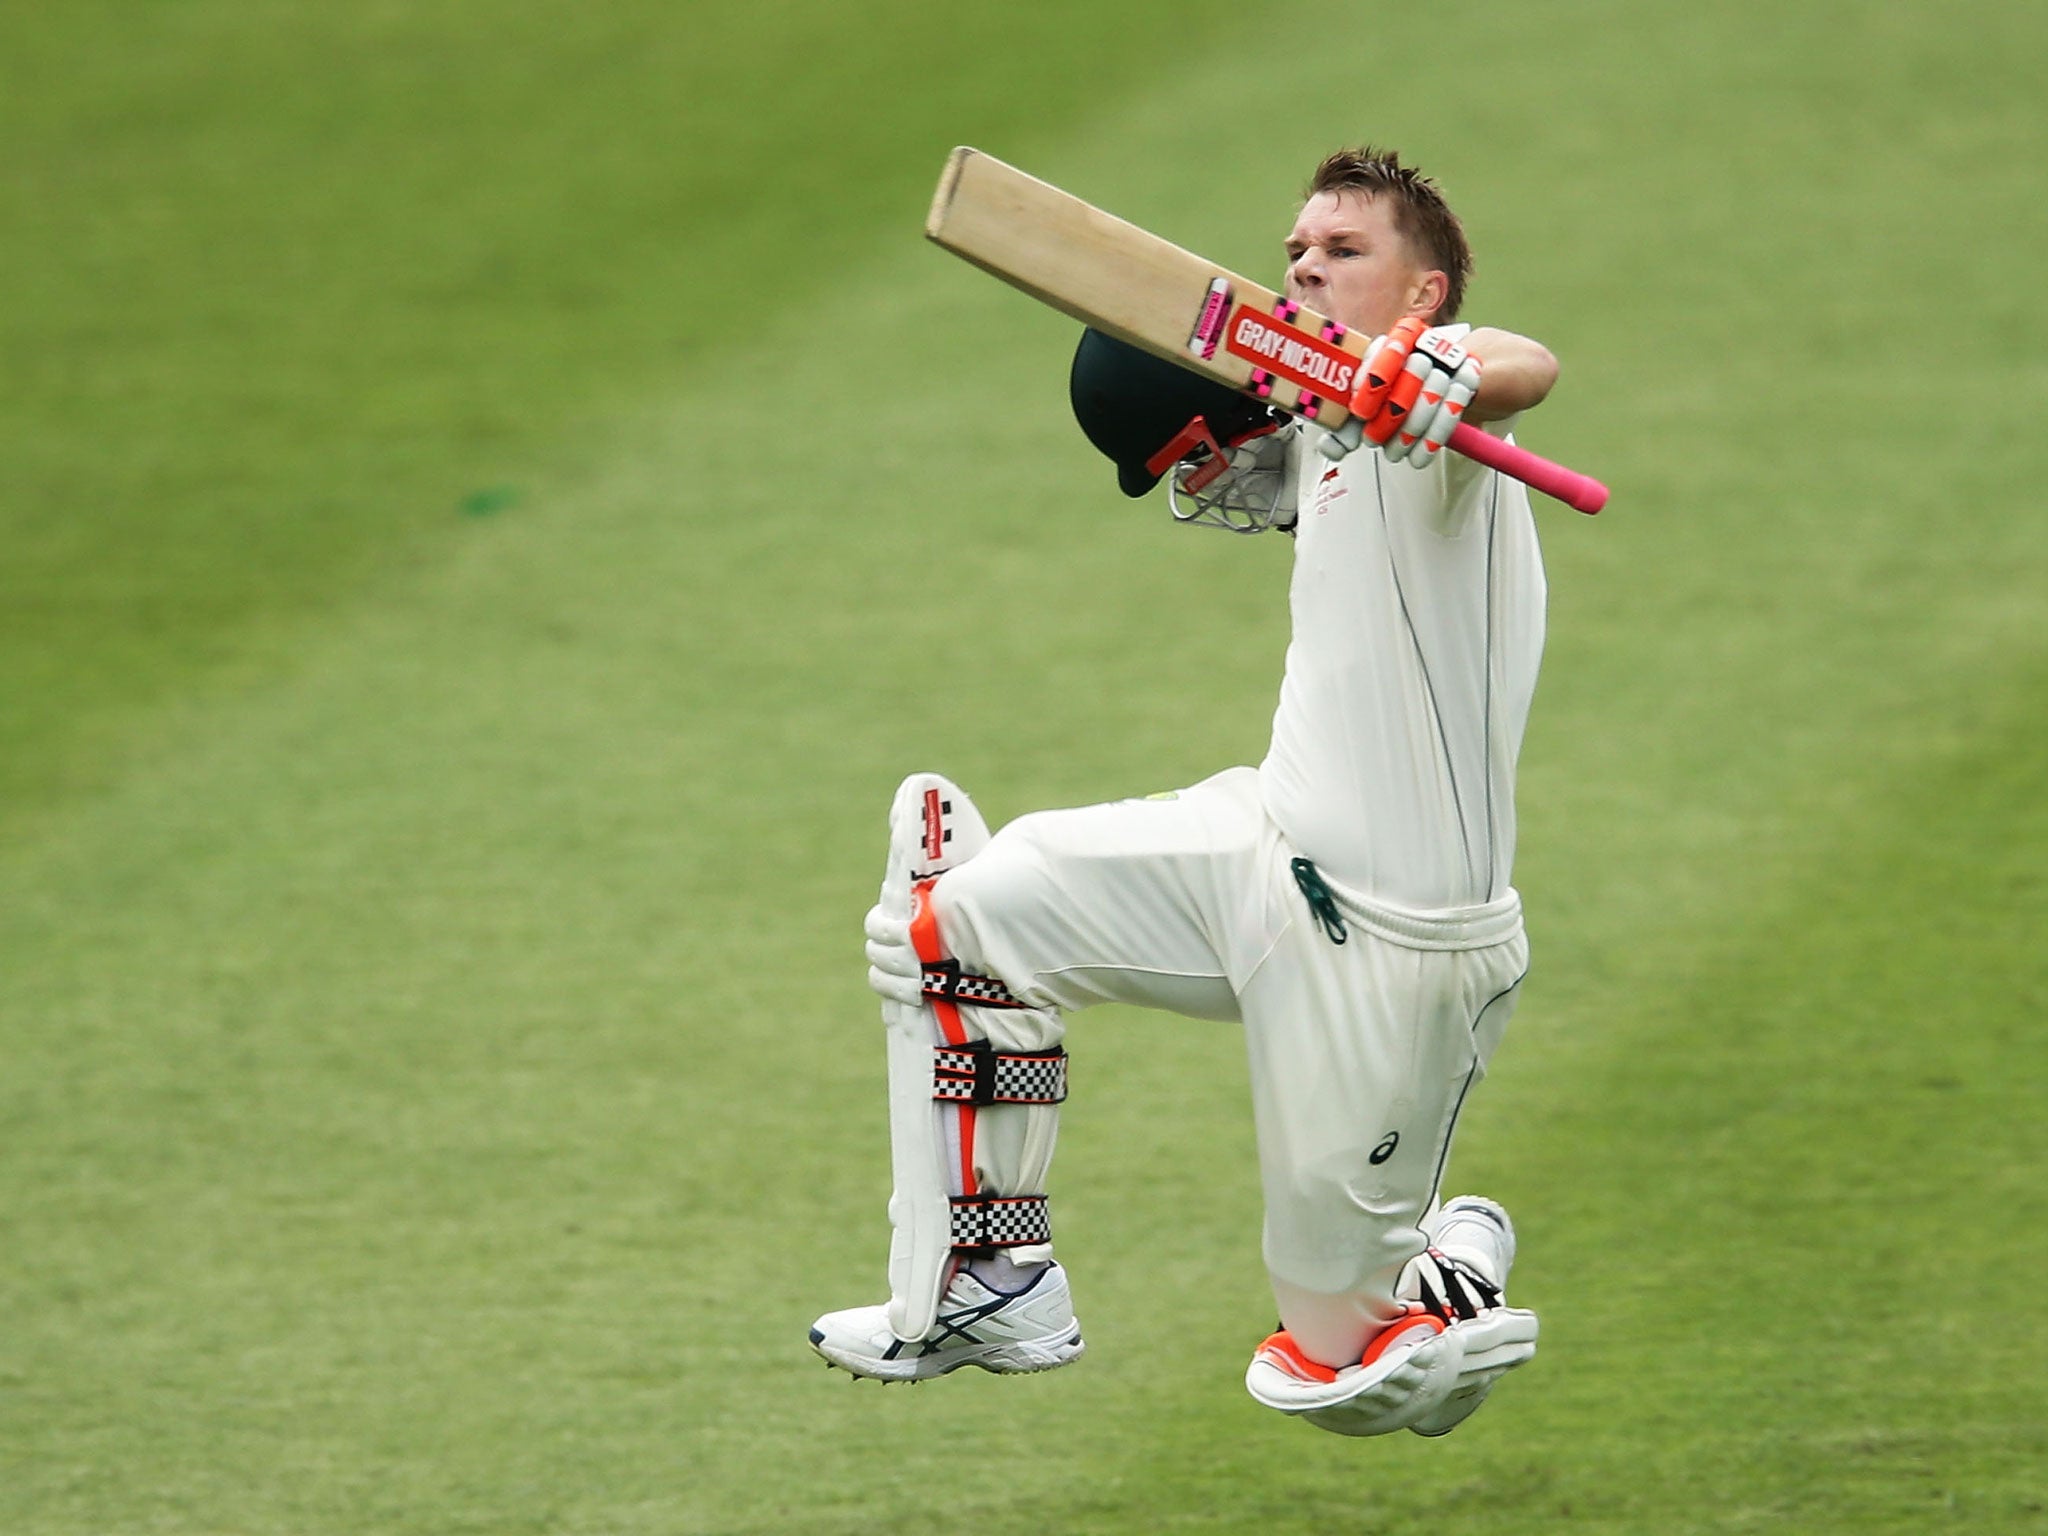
(972,1119)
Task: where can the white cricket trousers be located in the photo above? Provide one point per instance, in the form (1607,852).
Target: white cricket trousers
(1361,1053)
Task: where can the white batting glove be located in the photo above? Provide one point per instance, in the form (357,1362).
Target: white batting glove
(895,973)
(1448,378)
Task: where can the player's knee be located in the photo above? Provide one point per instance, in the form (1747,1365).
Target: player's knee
(993,892)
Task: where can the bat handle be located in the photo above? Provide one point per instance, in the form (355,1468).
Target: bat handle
(1575,490)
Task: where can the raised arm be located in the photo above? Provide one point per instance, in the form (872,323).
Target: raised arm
(1422,392)
(1518,373)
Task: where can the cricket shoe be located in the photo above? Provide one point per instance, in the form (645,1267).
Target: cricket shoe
(1407,1370)
(1432,1367)
(1463,1278)
(1031,1329)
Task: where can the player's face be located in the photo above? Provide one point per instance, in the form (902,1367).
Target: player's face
(1345,258)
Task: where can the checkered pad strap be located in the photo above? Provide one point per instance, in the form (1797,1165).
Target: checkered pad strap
(977,1073)
(943,979)
(1000,1221)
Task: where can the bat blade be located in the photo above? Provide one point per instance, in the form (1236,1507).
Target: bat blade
(1142,289)
(1149,292)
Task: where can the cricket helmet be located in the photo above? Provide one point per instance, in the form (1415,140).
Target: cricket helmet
(1135,407)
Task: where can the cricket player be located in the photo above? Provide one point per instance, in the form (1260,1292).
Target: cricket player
(1348,900)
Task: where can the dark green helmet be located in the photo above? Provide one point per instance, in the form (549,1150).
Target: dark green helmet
(1135,407)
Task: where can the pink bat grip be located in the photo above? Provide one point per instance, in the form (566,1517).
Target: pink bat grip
(1575,490)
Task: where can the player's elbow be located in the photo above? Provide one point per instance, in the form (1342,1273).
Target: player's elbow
(1528,375)
(1519,373)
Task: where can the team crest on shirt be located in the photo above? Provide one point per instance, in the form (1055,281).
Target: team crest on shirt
(1330,489)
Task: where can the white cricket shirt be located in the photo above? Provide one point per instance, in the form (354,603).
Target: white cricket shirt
(1417,603)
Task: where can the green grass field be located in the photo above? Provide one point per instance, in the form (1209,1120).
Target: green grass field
(450,705)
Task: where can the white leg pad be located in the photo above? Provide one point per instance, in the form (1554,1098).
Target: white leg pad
(975,1073)
(919,1215)
(933,827)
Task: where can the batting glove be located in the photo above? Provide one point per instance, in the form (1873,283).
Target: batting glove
(1384,393)
(895,973)
(1446,378)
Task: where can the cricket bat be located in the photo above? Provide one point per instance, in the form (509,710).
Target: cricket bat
(1174,304)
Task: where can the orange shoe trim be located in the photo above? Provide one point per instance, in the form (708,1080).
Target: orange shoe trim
(1399,1330)
(1281,1350)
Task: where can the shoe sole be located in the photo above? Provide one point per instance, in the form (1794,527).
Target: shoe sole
(1013,1357)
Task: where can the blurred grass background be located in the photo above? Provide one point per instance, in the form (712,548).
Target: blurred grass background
(495,496)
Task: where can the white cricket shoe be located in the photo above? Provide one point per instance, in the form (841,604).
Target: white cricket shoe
(1407,1369)
(1475,1234)
(1432,1367)
(1490,1345)
(1032,1329)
